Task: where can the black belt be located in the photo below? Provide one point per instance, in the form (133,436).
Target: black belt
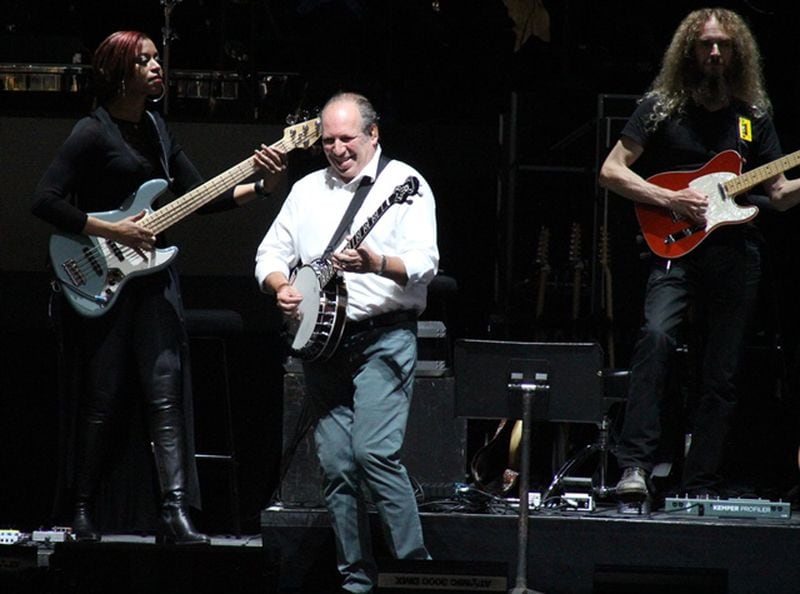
(390,318)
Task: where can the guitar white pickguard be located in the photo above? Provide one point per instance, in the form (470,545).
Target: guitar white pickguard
(721,209)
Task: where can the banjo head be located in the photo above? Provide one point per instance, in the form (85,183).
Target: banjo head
(302,329)
(318,329)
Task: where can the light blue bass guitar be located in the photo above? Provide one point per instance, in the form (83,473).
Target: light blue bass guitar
(93,270)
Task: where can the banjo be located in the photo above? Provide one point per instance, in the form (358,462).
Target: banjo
(317,329)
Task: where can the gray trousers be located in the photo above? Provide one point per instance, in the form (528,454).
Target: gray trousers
(361,397)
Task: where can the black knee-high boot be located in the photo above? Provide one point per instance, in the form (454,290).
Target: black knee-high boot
(169,450)
(90,452)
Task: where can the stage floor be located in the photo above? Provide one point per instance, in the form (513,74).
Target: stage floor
(571,552)
(134,564)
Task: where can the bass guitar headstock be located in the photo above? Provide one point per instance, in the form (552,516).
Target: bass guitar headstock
(301,135)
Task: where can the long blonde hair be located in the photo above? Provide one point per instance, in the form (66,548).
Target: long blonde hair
(672,87)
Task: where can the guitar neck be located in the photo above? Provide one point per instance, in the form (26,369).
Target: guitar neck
(541,292)
(178,209)
(576,293)
(744,182)
(325,269)
(364,230)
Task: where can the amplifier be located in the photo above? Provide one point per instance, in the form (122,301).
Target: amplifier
(434,450)
(729,508)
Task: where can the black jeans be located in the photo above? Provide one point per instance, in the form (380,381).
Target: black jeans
(138,342)
(721,277)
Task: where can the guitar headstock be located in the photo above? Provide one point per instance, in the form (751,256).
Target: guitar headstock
(575,246)
(603,250)
(410,187)
(543,248)
(301,135)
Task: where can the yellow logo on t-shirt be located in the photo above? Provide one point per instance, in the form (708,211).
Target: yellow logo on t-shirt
(745,129)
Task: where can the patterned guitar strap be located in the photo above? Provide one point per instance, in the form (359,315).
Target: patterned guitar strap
(355,203)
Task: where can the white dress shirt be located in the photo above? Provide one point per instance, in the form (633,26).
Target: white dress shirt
(312,212)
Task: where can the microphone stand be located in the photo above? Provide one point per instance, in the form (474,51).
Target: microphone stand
(167,36)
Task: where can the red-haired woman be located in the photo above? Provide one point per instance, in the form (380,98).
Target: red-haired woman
(136,351)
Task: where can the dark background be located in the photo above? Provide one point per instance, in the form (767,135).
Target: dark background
(441,75)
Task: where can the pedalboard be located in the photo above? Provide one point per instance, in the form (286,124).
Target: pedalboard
(729,508)
(9,536)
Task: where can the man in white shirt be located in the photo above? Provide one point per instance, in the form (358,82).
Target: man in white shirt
(362,393)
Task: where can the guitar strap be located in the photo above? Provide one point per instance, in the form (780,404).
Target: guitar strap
(355,203)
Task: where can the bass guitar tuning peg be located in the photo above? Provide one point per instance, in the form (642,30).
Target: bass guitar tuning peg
(300,115)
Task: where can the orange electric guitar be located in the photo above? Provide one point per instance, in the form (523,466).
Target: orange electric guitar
(671,235)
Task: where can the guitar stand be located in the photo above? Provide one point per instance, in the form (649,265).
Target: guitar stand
(615,388)
(601,448)
(528,390)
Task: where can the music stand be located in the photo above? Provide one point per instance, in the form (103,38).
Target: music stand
(557,381)
(576,383)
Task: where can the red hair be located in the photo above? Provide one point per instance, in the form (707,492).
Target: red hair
(113,61)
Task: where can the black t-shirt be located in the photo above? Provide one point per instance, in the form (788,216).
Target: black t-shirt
(688,140)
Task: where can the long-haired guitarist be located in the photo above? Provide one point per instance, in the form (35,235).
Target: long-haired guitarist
(675,159)
(361,390)
(134,355)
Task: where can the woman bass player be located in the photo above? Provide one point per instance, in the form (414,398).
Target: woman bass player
(131,362)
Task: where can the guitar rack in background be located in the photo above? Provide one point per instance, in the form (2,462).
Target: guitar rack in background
(559,290)
(548,179)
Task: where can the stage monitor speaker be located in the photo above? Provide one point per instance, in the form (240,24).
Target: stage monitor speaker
(434,450)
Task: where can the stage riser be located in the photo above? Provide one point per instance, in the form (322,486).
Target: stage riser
(131,568)
(434,451)
(577,555)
